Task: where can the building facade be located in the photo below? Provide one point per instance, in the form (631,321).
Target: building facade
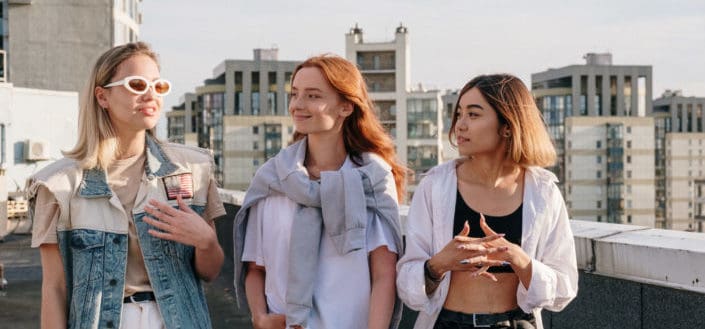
(412,117)
(612,96)
(249,141)
(680,124)
(252,92)
(31,137)
(48,43)
(609,166)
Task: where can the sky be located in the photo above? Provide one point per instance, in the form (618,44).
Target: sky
(451,41)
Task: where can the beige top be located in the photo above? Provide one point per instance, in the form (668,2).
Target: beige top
(121,177)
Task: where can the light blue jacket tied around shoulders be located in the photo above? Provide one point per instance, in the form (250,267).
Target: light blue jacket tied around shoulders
(338,204)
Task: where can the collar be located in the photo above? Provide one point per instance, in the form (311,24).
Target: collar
(95,181)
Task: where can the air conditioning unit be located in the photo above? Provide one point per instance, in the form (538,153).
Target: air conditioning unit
(35,150)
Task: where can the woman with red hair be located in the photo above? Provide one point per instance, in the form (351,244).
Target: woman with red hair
(317,237)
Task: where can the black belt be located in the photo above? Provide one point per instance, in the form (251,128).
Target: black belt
(479,320)
(138,297)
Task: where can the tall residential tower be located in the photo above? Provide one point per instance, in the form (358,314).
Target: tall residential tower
(597,115)
(412,116)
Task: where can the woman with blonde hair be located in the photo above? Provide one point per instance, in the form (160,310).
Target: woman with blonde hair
(488,241)
(124,223)
(317,239)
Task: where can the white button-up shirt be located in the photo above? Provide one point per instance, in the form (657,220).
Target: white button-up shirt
(546,237)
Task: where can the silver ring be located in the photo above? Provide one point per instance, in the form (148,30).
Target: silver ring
(464,261)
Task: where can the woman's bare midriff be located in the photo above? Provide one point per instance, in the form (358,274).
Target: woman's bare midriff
(468,294)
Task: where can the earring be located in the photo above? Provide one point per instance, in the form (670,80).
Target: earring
(507,134)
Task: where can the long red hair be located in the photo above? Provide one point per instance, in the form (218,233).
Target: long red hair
(362,131)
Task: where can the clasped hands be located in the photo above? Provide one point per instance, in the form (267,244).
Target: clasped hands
(477,255)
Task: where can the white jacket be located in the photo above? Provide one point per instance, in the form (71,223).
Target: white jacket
(546,237)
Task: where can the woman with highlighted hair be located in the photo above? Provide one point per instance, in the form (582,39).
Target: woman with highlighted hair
(318,235)
(488,241)
(124,223)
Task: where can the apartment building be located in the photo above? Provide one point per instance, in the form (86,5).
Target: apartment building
(586,104)
(680,181)
(413,117)
(242,97)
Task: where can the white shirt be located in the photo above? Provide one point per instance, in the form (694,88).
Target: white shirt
(546,237)
(341,297)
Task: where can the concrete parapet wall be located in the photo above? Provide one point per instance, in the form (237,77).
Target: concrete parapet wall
(630,276)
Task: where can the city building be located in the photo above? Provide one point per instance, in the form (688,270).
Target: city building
(31,137)
(680,183)
(413,117)
(610,98)
(249,141)
(609,168)
(449,151)
(243,98)
(49,43)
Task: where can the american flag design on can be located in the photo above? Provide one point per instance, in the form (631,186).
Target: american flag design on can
(178,185)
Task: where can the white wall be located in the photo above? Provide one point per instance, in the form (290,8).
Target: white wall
(43,115)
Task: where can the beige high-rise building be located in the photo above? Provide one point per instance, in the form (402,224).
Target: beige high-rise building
(602,110)
(413,117)
(248,142)
(680,131)
(241,114)
(609,166)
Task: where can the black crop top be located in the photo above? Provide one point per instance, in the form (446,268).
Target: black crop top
(510,225)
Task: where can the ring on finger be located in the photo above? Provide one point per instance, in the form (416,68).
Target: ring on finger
(464,261)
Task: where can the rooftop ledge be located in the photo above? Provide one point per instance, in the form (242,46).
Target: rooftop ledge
(672,259)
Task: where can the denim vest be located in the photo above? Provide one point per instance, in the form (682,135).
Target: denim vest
(92,237)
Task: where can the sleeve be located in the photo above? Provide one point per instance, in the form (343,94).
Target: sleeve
(45,216)
(214,206)
(411,283)
(554,275)
(252,251)
(379,235)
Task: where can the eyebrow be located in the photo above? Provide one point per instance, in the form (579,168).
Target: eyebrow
(307,89)
(472,106)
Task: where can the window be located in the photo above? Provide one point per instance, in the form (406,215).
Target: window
(599,204)
(629,174)
(629,204)
(2,143)
(255,130)
(629,219)
(599,144)
(629,144)
(255,145)
(629,129)
(599,218)
(629,159)
(599,159)
(599,174)
(255,162)
(629,189)
(255,103)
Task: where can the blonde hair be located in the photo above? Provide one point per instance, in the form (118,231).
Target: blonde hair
(97,143)
(529,142)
